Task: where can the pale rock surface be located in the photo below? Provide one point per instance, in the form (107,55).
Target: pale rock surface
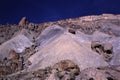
(98,74)
(56,43)
(102,37)
(110,28)
(18,44)
(49,34)
(66,47)
(29,34)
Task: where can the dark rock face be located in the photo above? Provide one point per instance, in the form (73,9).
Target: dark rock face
(85,48)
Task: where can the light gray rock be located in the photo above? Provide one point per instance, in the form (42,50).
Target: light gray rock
(29,34)
(49,34)
(110,28)
(18,44)
(104,38)
(98,74)
(66,47)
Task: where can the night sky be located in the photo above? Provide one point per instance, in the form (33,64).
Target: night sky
(38,11)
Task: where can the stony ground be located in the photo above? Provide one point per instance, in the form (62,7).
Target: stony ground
(84,48)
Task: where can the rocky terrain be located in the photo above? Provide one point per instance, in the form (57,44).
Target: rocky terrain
(84,48)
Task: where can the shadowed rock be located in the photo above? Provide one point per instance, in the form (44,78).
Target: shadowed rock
(67,47)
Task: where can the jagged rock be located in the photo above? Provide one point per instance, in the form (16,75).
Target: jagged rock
(23,21)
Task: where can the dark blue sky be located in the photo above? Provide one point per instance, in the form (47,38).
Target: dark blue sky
(37,11)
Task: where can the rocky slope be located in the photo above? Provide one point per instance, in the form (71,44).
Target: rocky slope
(84,48)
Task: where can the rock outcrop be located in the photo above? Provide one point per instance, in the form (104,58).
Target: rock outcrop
(23,22)
(104,49)
(84,48)
(99,74)
(67,47)
(18,43)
